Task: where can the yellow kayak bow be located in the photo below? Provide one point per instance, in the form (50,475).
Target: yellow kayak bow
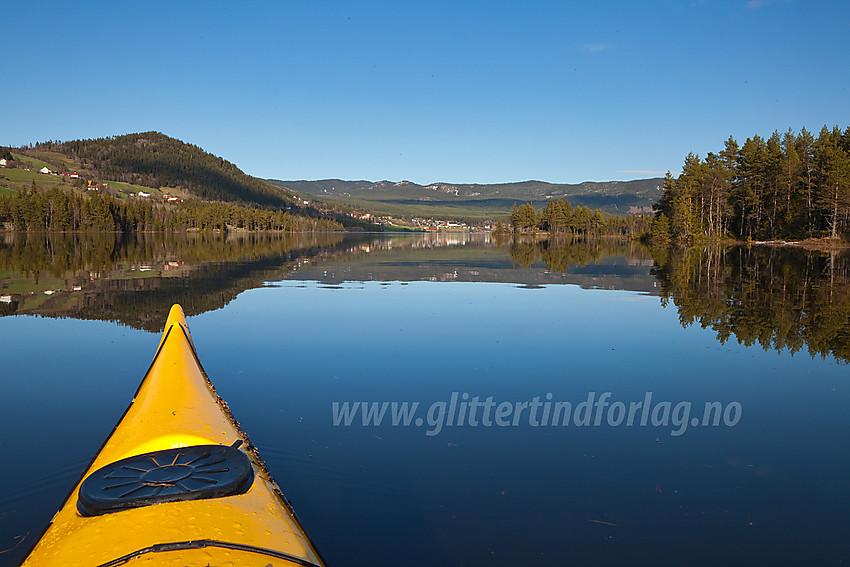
(176,483)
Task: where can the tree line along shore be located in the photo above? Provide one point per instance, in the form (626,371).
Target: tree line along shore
(67,211)
(559,217)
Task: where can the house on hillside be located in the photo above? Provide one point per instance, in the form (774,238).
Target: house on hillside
(144,194)
(3,162)
(44,170)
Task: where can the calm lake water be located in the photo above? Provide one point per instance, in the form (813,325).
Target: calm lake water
(490,338)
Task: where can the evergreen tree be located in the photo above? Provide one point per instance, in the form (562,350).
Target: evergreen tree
(660,228)
(805,147)
(792,172)
(834,172)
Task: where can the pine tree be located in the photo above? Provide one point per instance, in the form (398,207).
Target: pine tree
(792,172)
(805,144)
(660,228)
(834,170)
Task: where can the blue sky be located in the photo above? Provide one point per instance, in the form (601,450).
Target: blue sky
(428,91)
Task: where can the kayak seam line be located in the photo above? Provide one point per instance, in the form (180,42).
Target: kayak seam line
(203,543)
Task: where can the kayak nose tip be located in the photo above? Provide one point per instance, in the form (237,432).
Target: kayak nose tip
(175,316)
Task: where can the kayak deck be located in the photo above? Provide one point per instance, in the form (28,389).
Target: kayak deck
(176,407)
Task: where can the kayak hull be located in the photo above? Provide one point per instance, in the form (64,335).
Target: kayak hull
(175,407)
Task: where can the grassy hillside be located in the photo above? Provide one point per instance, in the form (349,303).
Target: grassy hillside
(476,201)
(26,170)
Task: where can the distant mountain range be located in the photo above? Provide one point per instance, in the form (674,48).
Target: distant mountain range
(478,200)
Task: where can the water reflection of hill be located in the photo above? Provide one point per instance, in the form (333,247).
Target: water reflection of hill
(134,280)
(781,298)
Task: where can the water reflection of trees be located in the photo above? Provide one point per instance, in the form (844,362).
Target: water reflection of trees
(559,254)
(782,298)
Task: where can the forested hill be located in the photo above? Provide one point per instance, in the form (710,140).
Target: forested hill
(155,160)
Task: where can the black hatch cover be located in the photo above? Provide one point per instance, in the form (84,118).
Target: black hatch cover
(172,475)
